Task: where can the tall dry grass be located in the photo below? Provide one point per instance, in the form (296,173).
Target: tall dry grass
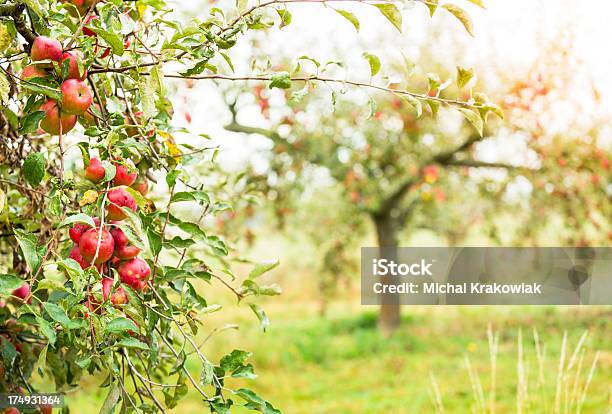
(575,370)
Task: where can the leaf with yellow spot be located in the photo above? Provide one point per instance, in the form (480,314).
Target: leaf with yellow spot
(89,197)
(170,144)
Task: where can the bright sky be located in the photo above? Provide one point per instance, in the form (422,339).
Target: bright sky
(508,33)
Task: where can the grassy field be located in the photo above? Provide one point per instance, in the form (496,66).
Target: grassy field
(342,364)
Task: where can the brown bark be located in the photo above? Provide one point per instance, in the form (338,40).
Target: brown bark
(387,234)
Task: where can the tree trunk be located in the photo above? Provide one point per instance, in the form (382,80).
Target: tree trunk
(387,233)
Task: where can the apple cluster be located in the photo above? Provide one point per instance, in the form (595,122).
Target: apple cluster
(106,246)
(76,97)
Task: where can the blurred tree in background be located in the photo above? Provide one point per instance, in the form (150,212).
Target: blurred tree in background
(387,166)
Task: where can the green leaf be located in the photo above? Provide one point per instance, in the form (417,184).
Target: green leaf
(34,168)
(264,321)
(30,123)
(434,106)
(78,218)
(6,38)
(280,80)
(13,118)
(285,17)
(171,177)
(350,17)
(34,6)
(109,171)
(374,62)
(84,361)
(201,196)
(74,270)
(112,398)
(42,357)
(132,343)
(432,5)
(114,40)
(120,325)
(59,315)
(234,360)
(46,329)
(217,245)
(28,244)
(474,119)
(42,86)
(250,396)
(245,371)
(479,3)
(415,103)
(8,283)
(228,60)
(147,97)
(50,284)
(392,13)
(263,267)
(464,76)
(462,16)
(206,376)
(5,88)
(8,351)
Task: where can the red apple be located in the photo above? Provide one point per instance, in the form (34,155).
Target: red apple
(86,30)
(95,170)
(33,71)
(118,297)
(74,57)
(78,229)
(119,237)
(75,254)
(45,48)
(135,273)
(118,198)
(76,97)
(89,244)
(23,293)
(53,122)
(128,251)
(123,249)
(11,410)
(125,175)
(114,262)
(46,409)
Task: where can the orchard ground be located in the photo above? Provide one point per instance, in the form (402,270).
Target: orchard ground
(342,364)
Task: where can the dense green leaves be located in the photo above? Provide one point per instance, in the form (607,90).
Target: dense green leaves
(59,315)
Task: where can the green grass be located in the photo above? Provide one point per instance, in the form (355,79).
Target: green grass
(342,364)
